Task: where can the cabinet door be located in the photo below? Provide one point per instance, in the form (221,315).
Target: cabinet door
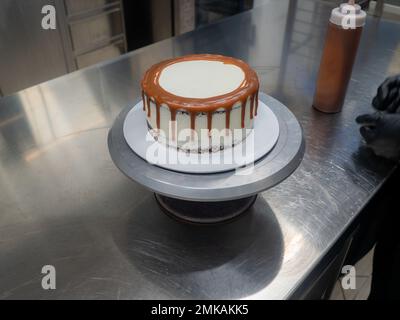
(88,33)
(74,7)
(28,54)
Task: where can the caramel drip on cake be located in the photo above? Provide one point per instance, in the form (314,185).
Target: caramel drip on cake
(256,102)
(158,115)
(243,113)
(192,120)
(148,106)
(227,118)
(173,128)
(173,115)
(209,120)
(248,87)
(252,106)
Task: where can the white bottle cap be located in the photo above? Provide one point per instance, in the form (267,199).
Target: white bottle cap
(348,16)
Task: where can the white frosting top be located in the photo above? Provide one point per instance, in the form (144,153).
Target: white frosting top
(201,78)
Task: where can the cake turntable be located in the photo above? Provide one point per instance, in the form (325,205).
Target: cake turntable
(212,197)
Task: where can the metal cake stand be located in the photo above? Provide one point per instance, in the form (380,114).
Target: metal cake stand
(216,197)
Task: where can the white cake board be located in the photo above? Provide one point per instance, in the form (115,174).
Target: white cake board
(261,141)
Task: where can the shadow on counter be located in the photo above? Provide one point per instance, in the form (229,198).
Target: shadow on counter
(225,261)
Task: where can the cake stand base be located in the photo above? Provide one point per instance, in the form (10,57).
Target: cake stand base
(204,212)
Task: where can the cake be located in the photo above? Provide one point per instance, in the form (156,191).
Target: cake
(201,102)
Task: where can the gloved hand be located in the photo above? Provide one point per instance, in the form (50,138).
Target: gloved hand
(381,133)
(388,95)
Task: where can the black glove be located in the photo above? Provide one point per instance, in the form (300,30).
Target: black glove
(388,96)
(381,133)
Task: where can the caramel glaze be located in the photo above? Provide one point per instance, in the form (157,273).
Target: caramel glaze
(144,102)
(248,88)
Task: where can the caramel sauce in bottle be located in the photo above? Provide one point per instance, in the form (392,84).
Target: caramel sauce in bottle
(337,61)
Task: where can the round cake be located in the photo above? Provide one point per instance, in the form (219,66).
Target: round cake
(201,102)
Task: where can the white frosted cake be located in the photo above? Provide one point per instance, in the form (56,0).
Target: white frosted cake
(200,103)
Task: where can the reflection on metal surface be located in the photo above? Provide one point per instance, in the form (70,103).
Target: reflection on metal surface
(107,238)
(394,65)
(211,262)
(48,118)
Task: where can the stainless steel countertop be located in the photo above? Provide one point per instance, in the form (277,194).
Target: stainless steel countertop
(64,203)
